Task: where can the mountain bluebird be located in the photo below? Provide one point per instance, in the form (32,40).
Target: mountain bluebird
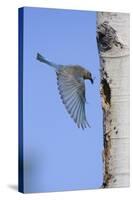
(71,86)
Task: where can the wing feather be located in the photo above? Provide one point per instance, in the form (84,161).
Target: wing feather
(72,92)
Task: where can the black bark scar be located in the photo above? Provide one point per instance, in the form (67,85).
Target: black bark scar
(107,37)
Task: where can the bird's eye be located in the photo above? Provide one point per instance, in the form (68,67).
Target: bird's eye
(88,75)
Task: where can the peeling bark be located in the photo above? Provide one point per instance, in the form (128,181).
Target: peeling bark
(113,44)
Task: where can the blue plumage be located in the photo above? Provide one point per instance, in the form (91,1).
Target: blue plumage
(71,86)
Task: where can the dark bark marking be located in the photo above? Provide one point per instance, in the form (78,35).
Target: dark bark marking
(107,37)
(106,91)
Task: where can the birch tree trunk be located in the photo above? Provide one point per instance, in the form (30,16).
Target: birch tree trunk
(113,43)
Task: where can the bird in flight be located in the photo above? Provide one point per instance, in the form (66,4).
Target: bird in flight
(71,86)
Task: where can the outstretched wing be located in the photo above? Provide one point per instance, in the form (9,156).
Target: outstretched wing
(72,92)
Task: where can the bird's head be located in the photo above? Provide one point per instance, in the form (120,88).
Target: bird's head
(88,76)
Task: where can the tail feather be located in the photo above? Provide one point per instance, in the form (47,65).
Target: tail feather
(41,58)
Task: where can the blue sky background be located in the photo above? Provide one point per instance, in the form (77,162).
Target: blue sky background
(57,155)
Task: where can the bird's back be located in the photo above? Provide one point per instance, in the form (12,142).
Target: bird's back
(75,70)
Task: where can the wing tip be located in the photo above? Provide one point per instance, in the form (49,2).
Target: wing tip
(83,125)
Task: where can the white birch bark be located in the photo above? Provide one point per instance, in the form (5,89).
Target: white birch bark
(114,64)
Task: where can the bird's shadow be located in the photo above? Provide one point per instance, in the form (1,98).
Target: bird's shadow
(13,187)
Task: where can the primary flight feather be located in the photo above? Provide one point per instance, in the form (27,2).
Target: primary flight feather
(71,86)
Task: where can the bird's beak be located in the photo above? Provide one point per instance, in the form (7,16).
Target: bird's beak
(91,80)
